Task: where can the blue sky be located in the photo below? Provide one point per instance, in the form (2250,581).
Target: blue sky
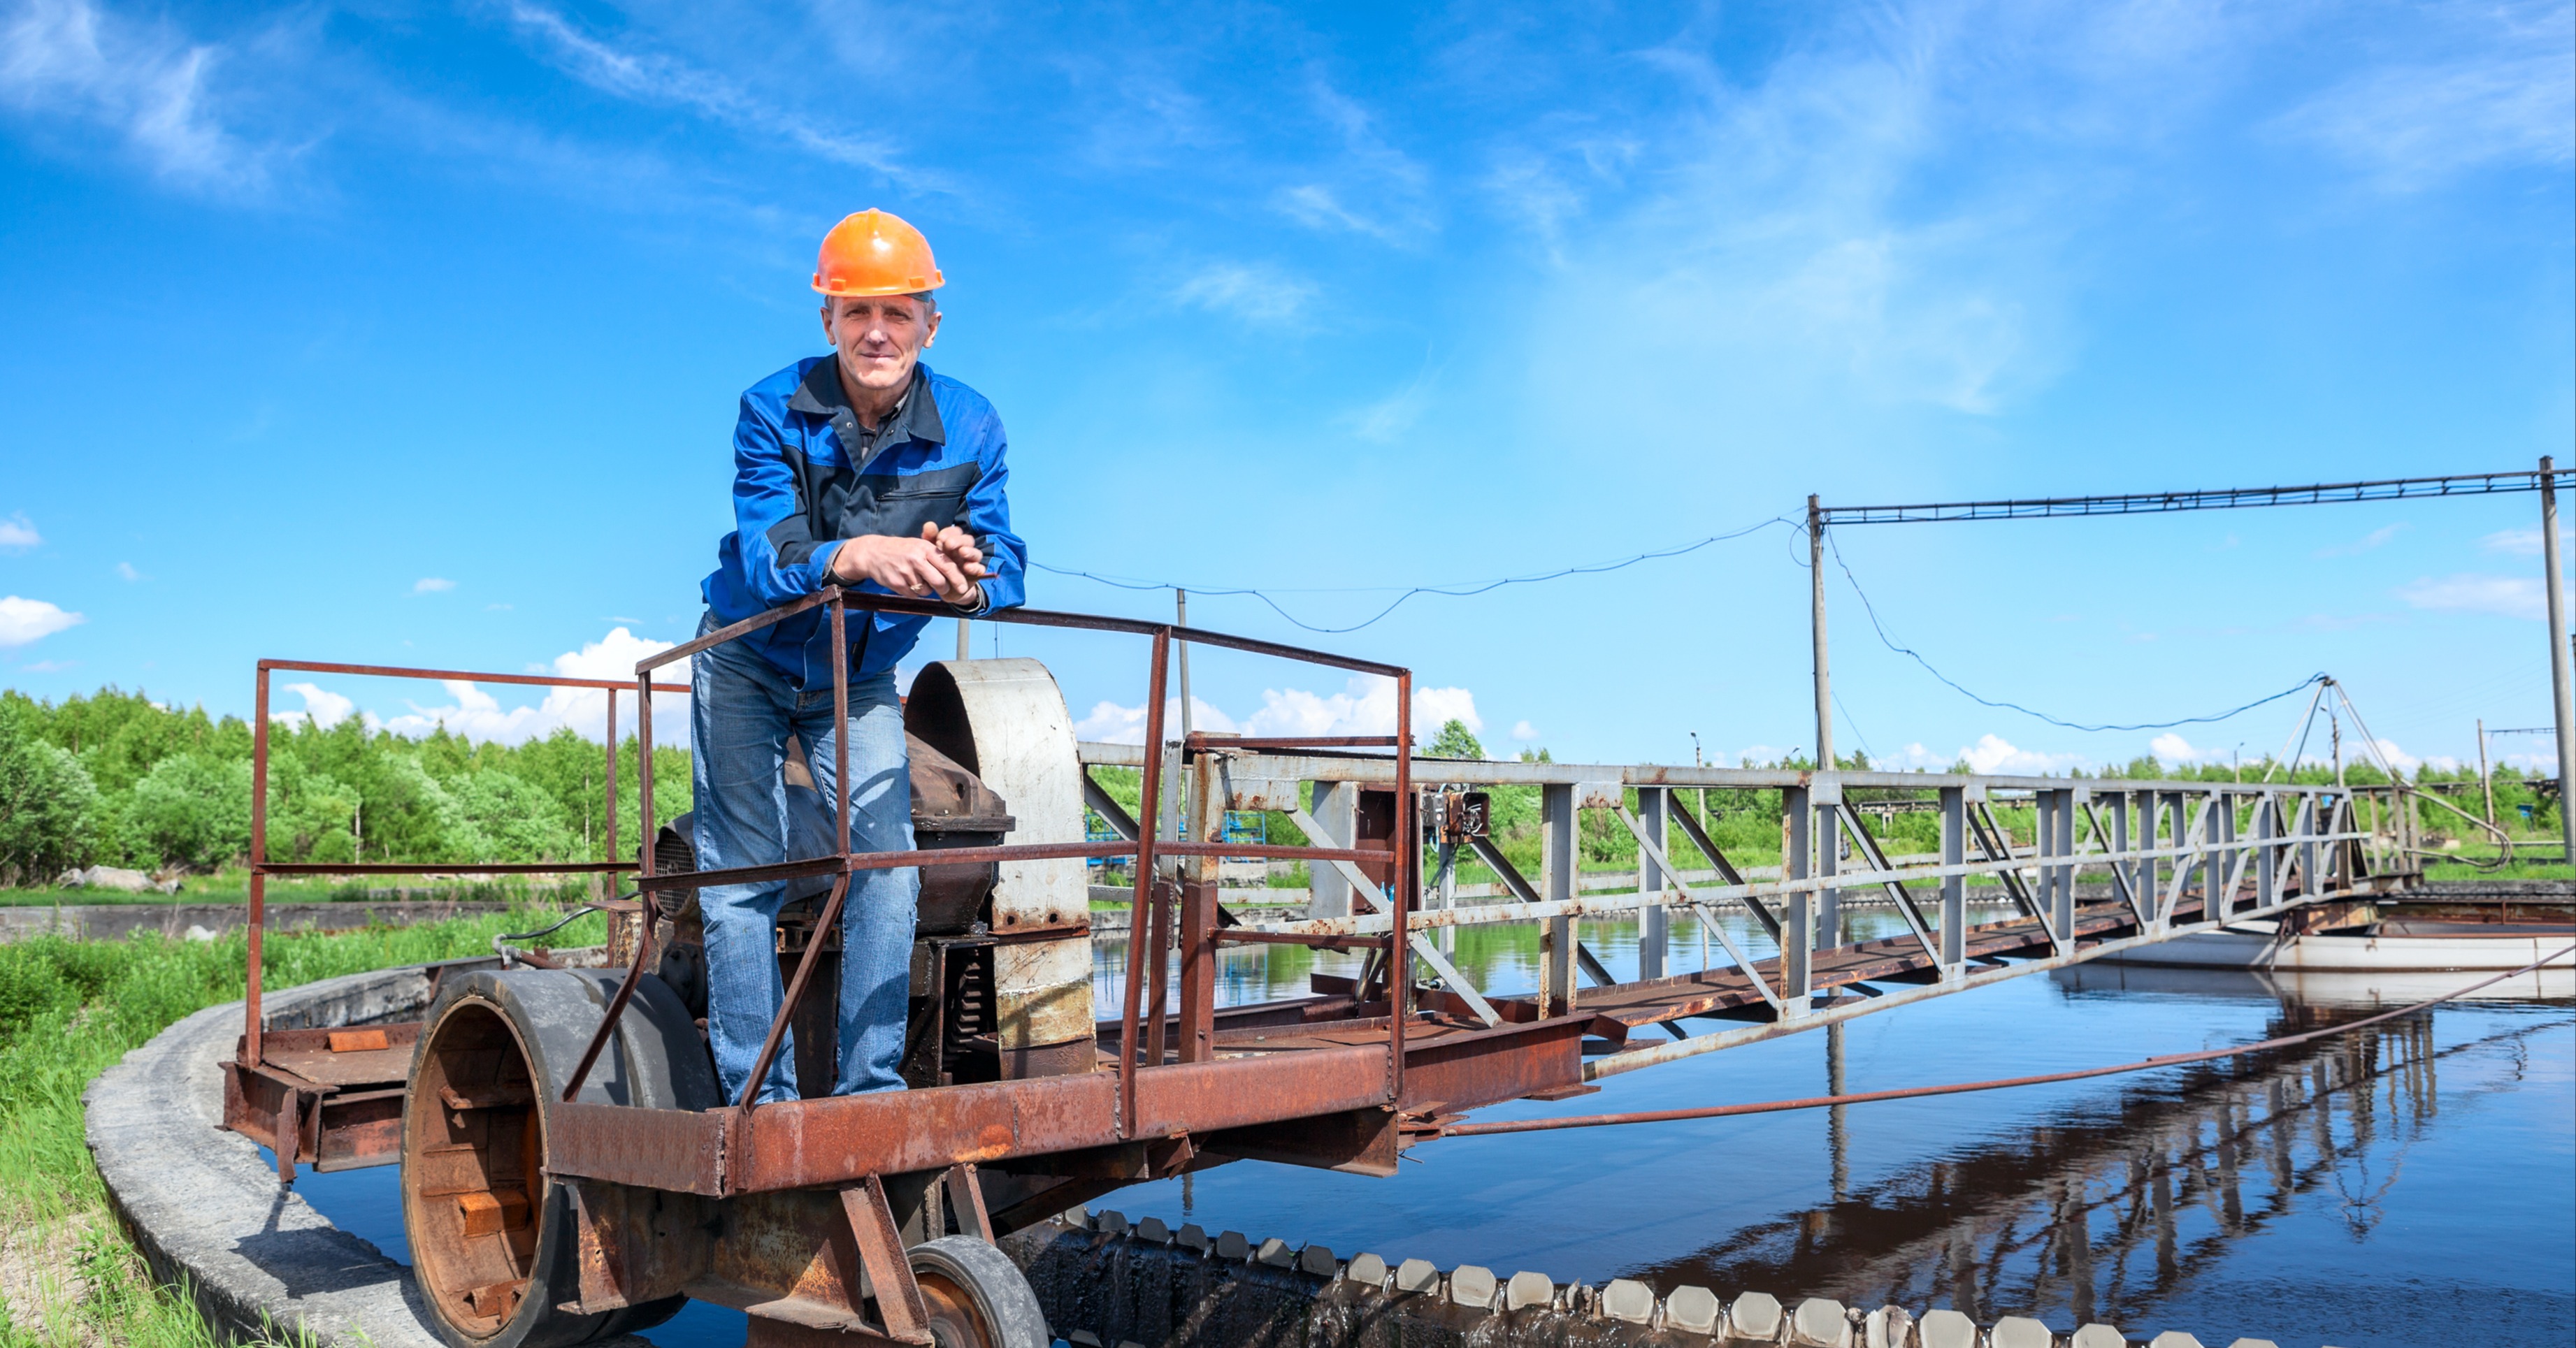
(412,333)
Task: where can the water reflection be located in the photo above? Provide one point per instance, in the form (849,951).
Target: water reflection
(2101,1212)
(2359,1190)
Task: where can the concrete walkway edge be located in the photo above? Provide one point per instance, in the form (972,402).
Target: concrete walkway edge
(205,1209)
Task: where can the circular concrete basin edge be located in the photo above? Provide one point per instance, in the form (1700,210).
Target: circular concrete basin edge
(207,1212)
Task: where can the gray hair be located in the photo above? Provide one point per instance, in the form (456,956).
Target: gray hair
(929,301)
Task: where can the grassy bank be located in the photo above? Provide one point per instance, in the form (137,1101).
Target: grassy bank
(234,887)
(68,1011)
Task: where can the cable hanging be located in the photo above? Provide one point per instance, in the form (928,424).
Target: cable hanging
(1460,590)
(1917,657)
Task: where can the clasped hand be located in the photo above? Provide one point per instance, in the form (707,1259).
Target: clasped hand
(942,562)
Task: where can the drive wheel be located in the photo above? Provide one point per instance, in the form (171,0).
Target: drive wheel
(975,1297)
(492,1239)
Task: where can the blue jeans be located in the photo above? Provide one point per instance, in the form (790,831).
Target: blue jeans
(741,711)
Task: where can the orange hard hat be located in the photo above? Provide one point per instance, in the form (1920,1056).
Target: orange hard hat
(875,253)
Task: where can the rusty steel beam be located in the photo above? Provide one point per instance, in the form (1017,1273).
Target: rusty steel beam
(797,1143)
(467,675)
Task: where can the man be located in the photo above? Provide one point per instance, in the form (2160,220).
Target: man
(863,469)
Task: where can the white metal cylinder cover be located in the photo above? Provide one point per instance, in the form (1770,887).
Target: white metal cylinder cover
(1007,722)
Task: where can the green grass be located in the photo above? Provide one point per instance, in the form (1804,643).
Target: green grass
(234,887)
(68,1011)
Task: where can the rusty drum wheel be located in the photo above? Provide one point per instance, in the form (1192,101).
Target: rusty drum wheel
(975,1297)
(491,1234)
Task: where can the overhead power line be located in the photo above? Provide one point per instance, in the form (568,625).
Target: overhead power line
(1973,696)
(1458,590)
(2140,503)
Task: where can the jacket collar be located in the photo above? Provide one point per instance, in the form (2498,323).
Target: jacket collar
(819,394)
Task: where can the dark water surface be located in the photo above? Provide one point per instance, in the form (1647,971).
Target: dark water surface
(2407,1184)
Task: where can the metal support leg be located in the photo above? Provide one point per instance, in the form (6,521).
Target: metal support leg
(1954,888)
(1829,861)
(2067,867)
(1337,809)
(1653,926)
(1559,850)
(1797,920)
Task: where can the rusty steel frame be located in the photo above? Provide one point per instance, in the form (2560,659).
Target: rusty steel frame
(1197,1028)
(261,867)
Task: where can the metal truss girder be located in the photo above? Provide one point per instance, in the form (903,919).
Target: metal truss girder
(1904,897)
(2119,873)
(1725,869)
(1733,951)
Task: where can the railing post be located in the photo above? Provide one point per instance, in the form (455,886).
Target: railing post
(2177,828)
(1197,1031)
(2222,864)
(2311,804)
(1560,849)
(1954,888)
(2118,819)
(258,918)
(1653,925)
(2267,858)
(1149,827)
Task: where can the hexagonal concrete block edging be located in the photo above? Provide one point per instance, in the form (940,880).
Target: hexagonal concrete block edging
(206,1211)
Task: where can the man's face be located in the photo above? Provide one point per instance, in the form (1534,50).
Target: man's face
(879,337)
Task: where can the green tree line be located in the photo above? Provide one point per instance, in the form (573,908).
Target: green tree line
(115,779)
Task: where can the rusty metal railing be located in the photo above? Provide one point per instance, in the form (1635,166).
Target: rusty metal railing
(1199,937)
(261,867)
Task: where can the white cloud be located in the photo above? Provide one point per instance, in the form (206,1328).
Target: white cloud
(1110,723)
(125,572)
(432,585)
(18,533)
(1365,706)
(26,620)
(1523,730)
(2509,596)
(322,707)
(650,78)
(1369,170)
(145,82)
(2520,542)
(2398,758)
(1253,292)
(2375,538)
(2173,748)
(1390,418)
(2510,99)
(1993,753)
(479,715)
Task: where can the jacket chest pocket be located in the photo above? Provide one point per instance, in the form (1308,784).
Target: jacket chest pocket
(901,505)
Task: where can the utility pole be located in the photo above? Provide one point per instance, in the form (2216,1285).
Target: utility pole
(1181,615)
(1816,620)
(2562,699)
(2486,784)
(961,654)
(2334,726)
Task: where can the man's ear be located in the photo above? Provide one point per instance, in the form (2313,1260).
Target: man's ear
(829,337)
(931,333)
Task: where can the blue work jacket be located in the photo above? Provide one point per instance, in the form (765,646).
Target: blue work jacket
(796,495)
